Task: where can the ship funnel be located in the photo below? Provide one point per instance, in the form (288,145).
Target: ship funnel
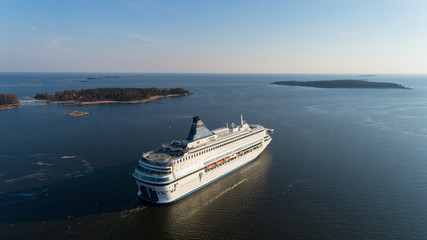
(198,130)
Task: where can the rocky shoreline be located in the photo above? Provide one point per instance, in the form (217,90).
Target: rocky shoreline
(10,106)
(80,103)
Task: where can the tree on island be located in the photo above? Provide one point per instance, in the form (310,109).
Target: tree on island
(110,94)
(8,99)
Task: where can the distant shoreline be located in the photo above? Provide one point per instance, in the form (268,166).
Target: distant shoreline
(342,83)
(9,101)
(10,106)
(80,103)
(32,83)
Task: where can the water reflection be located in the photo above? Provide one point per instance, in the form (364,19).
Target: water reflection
(219,204)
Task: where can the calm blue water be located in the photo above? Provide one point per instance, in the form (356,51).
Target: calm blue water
(343,163)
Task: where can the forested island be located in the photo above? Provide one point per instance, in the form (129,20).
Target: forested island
(8,101)
(344,83)
(111,95)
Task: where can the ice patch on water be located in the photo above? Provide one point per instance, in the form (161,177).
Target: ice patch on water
(277,194)
(297,182)
(87,165)
(40,169)
(24,194)
(24,177)
(76,174)
(41,154)
(40,163)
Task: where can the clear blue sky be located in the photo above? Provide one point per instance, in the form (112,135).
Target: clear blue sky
(231,36)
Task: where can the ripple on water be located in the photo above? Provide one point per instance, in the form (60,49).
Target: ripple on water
(24,172)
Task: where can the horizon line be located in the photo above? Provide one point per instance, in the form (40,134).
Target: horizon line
(251,73)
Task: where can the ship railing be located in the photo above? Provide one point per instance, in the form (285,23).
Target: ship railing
(150,166)
(151,172)
(138,175)
(157,163)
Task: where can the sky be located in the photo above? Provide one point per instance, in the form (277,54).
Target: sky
(215,36)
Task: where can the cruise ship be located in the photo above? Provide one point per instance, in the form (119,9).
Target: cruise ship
(177,169)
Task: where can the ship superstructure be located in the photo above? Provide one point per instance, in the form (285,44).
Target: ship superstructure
(174,170)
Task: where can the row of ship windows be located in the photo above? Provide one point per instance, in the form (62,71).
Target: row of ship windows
(153,179)
(210,149)
(152,172)
(207,170)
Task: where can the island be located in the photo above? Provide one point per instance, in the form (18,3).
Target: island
(32,83)
(110,95)
(8,101)
(367,75)
(114,76)
(77,113)
(342,83)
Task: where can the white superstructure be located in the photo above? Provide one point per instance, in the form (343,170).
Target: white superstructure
(175,170)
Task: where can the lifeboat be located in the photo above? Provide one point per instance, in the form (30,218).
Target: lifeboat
(241,152)
(209,166)
(218,162)
(226,158)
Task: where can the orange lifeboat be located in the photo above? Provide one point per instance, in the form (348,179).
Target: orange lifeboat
(209,166)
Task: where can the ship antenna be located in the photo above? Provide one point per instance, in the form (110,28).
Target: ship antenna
(241,119)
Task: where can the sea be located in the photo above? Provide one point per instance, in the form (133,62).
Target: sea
(343,163)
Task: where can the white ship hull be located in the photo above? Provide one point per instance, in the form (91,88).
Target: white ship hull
(197,180)
(175,170)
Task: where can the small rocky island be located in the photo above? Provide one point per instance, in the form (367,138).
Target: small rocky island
(343,83)
(110,95)
(77,113)
(8,101)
